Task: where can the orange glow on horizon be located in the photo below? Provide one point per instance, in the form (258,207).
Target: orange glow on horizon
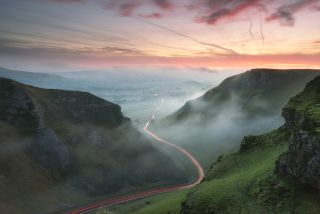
(227,61)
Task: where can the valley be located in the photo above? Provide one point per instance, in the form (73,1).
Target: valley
(159,107)
(73,145)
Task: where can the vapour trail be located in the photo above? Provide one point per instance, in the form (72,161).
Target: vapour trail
(187,36)
(261,30)
(120,34)
(55,41)
(250,29)
(251,34)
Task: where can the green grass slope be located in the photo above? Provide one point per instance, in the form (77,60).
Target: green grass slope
(245,182)
(276,172)
(307,103)
(248,103)
(242,182)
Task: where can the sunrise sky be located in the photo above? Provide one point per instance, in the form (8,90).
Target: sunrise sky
(78,34)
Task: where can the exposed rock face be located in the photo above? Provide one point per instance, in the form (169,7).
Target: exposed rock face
(302,160)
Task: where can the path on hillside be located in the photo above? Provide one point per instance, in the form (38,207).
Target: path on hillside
(131,197)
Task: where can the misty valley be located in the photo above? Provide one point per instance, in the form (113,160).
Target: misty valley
(159,107)
(254,136)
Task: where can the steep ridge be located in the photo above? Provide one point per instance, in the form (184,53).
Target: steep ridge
(248,103)
(256,90)
(266,176)
(66,147)
(302,114)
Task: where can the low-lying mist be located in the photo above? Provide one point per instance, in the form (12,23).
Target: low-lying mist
(136,90)
(244,104)
(208,136)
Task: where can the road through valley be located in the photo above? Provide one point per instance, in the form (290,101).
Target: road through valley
(142,194)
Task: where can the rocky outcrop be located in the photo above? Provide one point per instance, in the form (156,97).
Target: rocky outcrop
(302,160)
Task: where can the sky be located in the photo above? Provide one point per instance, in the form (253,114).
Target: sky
(96,34)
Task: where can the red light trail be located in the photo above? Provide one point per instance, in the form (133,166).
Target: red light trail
(131,197)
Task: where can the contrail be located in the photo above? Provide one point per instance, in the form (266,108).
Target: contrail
(186,36)
(250,29)
(166,46)
(122,34)
(251,34)
(261,30)
(217,46)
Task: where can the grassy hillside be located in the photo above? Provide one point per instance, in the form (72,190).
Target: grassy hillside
(244,104)
(256,180)
(307,103)
(277,172)
(242,182)
(62,148)
(245,182)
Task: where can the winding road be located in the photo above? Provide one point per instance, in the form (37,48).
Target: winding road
(131,197)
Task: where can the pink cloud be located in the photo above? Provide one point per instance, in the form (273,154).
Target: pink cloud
(285,13)
(208,11)
(127,9)
(214,11)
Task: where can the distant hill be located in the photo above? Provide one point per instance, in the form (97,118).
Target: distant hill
(43,80)
(61,148)
(248,103)
(259,91)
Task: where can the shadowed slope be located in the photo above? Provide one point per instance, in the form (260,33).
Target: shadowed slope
(64,147)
